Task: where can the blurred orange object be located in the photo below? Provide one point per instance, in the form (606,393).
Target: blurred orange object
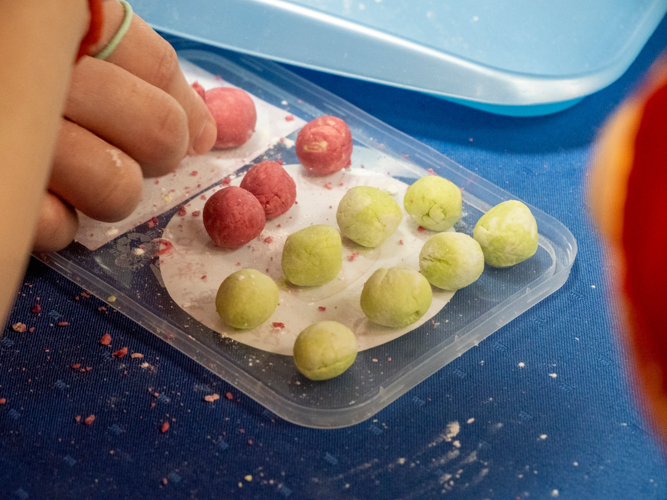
(628,195)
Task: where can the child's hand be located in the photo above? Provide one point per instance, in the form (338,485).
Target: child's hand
(126,118)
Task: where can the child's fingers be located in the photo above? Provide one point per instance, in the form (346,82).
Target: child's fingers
(93,176)
(133,115)
(57,224)
(149,57)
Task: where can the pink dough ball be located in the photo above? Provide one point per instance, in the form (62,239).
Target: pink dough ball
(235,115)
(324,145)
(233,217)
(272,186)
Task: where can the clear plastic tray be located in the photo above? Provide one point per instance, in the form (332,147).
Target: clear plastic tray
(516,57)
(380,374)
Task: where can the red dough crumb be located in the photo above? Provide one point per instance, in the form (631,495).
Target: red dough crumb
(106,339)
(233,217)
(164,428)
(19,327)
(229,395)
(278,325)
(272,186)
(235,115)
(226,182)
(120,353)
(89,420)
(200,90)
(322,308)
(324,145)
(36,308)
(352,256)
(421,229)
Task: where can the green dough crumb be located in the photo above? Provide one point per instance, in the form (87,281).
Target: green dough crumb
(433,202)
(325,350)
(312,256)
(451,260)
(507,234)
(368,216)
(396,297)
(246,299)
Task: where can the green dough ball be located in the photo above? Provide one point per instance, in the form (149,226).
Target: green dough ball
(451,260)
(312,256)
(325,350)
(396,297)
(434,203)
(368,216)
(507,234)
(246,299)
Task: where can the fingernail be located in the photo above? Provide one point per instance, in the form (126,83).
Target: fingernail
(207,136)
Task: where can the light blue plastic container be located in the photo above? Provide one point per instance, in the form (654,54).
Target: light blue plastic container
(514,57)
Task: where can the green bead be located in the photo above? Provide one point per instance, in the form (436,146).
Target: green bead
(433,202)
(396,297)
(246,299)
(325,350)
(507,234)
(451,260)
(368,216)
(312,256)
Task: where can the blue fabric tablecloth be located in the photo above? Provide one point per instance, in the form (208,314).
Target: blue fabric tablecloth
(545,407)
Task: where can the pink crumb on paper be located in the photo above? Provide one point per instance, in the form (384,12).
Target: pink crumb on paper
(352,256)
(202,197)
(203,277)
(400,242)
(431,171)
(421,229)
(289,118)
(278,325)
(196,213)
(226,181)
(282,139)
(328,186)
(322,308)
(193,173)
(168,246)
(157,181)
(181,210)
(268,239)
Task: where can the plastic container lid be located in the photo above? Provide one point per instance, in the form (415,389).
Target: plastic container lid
(520,57)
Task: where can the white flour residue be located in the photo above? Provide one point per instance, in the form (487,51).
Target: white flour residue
(115,157)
